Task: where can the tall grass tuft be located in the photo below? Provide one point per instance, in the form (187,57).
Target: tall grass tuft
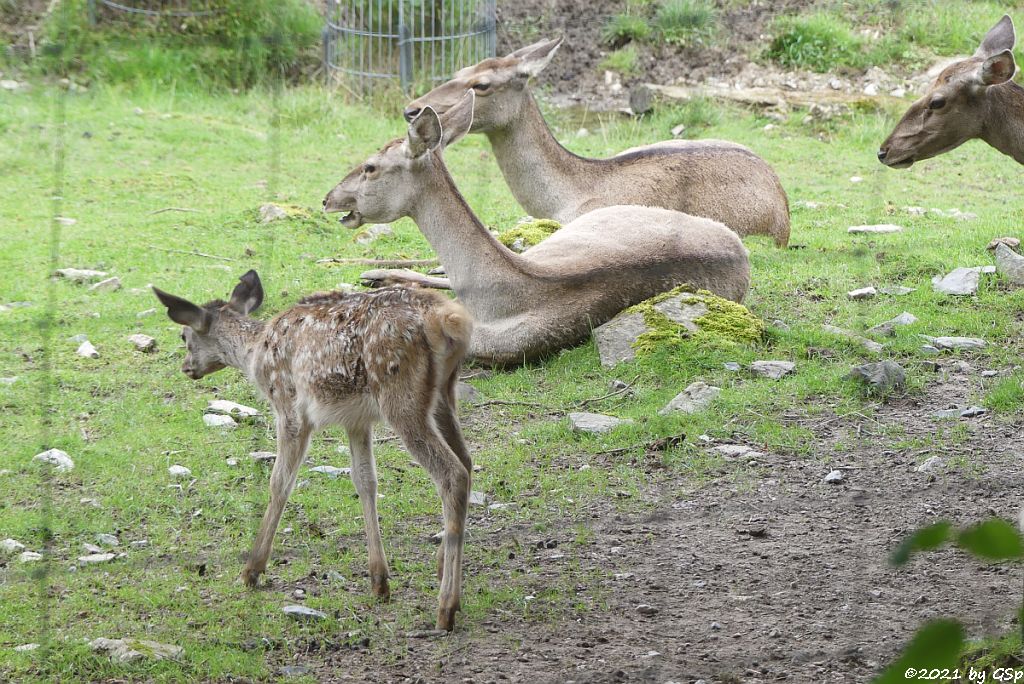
(623,28)
(685,21)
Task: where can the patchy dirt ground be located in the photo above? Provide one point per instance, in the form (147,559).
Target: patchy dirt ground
(763,574)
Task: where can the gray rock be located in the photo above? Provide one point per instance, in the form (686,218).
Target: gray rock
(989,373)
(959,282)
(60,460)
(271,212)
(862,293)
(870,345)
(647,609)
(303,613)
(973,412)
(215,420)
(477,498)
(9,381)
(932,464)
(144,343)
(641,99)
(86,350)
(331,471)
(464,392)
(615,338)
(1011,242)
(772,369)
(889,326)
(595,423)
(147,312)
(1010,264)
(29,557)
(79,338)
(880,377)
(179,471)
(24,648)
(695,397)
(92,548)
(108,539)
(230,408)
(956,342)
(10,546)
(371,233)
(95,558)
(294,671)
(731,366)
(731,451)
(834,477)
(683,310)
(80,275)
(946,414)
(929,349)
(877,228)
(108,285)
(897,290)
(131,650)
(263,456)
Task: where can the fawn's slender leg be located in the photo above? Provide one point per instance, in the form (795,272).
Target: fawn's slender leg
(416,427)
(448,423)
(364,477)
(292,442)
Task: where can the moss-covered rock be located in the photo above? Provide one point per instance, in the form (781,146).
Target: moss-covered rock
(524,235)
(672,317)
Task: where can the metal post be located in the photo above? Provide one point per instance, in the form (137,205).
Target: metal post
(405,46)
(91,10)
(491,37)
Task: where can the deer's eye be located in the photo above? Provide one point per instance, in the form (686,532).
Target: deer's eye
(937,103)
(481,87)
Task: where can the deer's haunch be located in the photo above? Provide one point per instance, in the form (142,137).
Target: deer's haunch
(349,360)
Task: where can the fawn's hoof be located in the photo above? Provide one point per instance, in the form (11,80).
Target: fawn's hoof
(446,617)
(381,589)
(250,577)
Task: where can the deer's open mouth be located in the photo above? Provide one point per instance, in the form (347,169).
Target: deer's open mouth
(901,164)
(352,219)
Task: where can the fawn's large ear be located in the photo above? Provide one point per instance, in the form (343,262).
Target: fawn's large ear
(457,121)
(1000,37)
(998,68)
(425,133)
(533,58)
(248,294)
(184,312)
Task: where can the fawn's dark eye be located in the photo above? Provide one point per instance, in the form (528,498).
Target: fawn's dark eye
(481,87)
(937,103)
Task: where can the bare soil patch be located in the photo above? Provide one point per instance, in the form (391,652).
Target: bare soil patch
(764,573)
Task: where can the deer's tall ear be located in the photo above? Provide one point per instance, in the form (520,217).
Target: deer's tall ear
(999,38)
(999,68)
(533,58)
(425,133)
(248,294)
(457,121)
(184,312)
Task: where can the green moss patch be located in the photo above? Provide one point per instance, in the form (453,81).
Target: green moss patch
(527,234)
(724,321)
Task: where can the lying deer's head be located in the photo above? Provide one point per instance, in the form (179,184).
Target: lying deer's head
(955,107)
(499,83)
(385,187)
(203,324)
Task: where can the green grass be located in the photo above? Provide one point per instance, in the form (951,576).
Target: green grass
(1007,395)
(685,21)
(623,28)
(623,60)
(126,417)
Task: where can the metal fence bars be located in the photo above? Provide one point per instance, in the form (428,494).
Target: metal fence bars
(415,43)
(151,9)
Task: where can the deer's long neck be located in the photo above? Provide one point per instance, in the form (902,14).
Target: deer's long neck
(543,175)
(474,260)
(1004,124)
(239,338)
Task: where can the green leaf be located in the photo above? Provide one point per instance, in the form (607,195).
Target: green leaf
(937,645)
(924,539)
(994,539)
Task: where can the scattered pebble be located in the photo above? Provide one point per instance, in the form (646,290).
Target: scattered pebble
(263,456)
(731,451)
(60,460)
(862,293)
(731,366)
(231,462)
(876,228)
(595,423)
(131,650)
(897,290)
(216,420)
(29,557)
(272,212)
(647,609)
(834,477)
(889,326)
(696,397)
(930,465)
(80,275)
(87,351)
(179,471)
(303,613)
(108,539)
(956,342)
(147,312)
(108,285)
(230,408)
(870,345)
(94,558)
(11,546)
(880,377)
(331,471)
(1011,242)
(772,369)
(858,179)
(1010,264)
(144,343)
(958,282)
(973,412)
(477,498)
(24,648)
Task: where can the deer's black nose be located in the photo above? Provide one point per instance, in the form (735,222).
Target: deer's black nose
(325,202)
(411,113)
(881,154)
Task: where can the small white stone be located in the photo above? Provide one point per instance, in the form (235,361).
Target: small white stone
(29,557)
(108,285)
(80,275)
(24,648)
(60,460)
(331,471)
(179,471)
(862,293)
(108,539)
(11,546)
(94,558)
(230,408)
(876,228)
(835,477)
(86,350)
(147,312)
(65,221)
(231,462)
(856,179)
(144,343)
(218,421)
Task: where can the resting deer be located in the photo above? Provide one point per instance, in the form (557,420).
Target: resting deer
(713,178)
(972,98)
(552,295)
(350,360)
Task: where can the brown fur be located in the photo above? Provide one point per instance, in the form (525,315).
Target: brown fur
(351,360)
(711,178)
